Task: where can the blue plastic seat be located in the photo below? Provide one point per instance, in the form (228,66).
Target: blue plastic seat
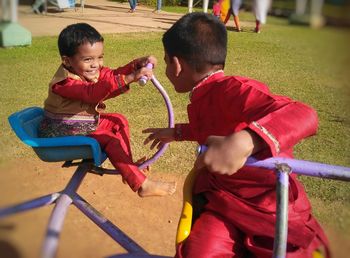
(25,124)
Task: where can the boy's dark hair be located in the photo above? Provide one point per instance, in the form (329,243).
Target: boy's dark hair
(75,35)
(199,38)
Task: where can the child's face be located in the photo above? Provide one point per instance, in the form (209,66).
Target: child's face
(87,61)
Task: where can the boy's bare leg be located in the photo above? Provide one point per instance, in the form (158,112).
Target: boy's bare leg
(156,188)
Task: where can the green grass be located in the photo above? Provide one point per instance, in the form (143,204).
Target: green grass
(308,65)
(181,9)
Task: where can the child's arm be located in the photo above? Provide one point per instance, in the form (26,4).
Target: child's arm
(134,70)
(111,83)
(280,121)
(160,136)
(226,155)
(272,126)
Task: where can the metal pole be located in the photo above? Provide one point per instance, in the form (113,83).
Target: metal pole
(58,214)
(281,227)
(29,205)
(306,168)
(107,226)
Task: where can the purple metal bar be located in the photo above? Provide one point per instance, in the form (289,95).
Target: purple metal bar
(107,226)
(284,166)
(29,205)
(166,98)
(59,212)
(307,168)
(281,226)
(300,167)
(55,225)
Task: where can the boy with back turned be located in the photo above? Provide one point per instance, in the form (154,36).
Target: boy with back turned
(236,117)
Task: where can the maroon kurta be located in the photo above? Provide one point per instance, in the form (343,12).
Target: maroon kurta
(240,212)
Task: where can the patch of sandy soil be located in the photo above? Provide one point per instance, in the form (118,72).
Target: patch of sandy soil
(151,222)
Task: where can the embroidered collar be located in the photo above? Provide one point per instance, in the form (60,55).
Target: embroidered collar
(209,75)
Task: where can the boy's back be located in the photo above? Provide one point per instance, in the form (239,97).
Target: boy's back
(236,117)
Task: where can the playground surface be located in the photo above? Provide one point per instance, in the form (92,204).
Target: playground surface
(150,222)
(104,15)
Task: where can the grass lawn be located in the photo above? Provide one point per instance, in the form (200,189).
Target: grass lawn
(308,65)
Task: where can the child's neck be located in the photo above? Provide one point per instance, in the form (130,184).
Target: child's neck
(209,73)
(206,77)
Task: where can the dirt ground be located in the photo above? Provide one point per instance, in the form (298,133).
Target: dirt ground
(106,16)
(151,222)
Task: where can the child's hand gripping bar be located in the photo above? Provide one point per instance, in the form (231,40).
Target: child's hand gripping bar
(300,167)
(143,80)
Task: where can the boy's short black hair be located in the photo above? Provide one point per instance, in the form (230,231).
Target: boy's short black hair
(199,38)
(75,35)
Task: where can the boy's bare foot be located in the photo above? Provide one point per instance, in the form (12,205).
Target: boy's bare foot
(156,188)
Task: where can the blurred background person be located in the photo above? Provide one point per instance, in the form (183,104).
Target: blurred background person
(133,4)
(260,9)
(217,8)
(234,10)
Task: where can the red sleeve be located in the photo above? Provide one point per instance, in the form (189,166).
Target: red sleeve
(286,126)
(110,84)
(128,69)
(279,121)
(183,132)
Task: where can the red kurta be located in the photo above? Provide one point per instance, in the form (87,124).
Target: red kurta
(113,131)
(238,218)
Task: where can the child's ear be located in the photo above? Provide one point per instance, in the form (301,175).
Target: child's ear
(178,65)
(65,61)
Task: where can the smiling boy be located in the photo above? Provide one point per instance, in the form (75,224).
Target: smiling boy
(75,106)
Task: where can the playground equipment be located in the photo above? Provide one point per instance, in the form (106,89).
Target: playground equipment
(283,167)
(69,149)
(11,33)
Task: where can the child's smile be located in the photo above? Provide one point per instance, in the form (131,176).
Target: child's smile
(87,61)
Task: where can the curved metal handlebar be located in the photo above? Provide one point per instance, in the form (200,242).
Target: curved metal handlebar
(167,101)
(166,98)
(156,155)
